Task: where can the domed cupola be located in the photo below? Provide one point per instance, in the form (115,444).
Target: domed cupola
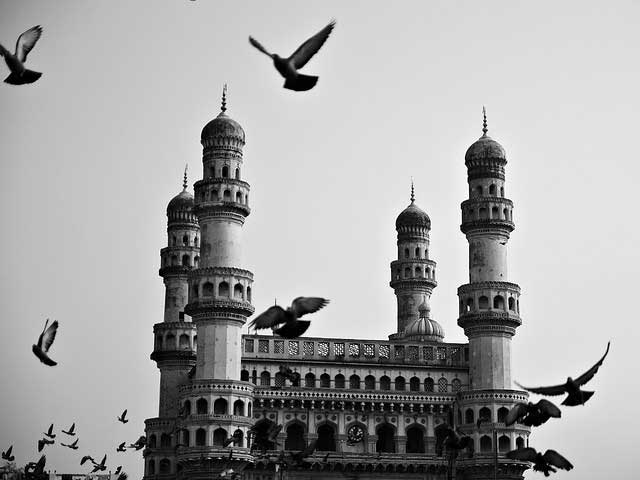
(424,328)
(180,207)
(485,155)
(223,131)
(413,216)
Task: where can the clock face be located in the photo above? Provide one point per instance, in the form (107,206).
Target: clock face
(355,434)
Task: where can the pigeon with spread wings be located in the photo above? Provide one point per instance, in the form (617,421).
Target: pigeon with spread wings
(7,455)
(288,67)
(541,463)
(72,446)
(15,61)
(291,326)
(71,431)
(45,341)
(571,387)
(532,414)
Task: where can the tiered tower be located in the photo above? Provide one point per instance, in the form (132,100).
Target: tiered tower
(413,276)
(489,309)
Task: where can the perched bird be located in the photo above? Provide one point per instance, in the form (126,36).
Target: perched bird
(71,430)
(121,417)
(293,377)
(541,463)
(49,433)
(449,438)
(45,340)
(73,446)
(288,67)
(532,414)
(292,327)
(87,458)
(121,447)
(43,442)
(571,387)
(7,455)
(19,74)
(235,438)
(100,466)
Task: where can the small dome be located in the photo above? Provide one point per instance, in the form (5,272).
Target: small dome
(413,216)
(424,326)
(223,127)
(182,201)
(485,148)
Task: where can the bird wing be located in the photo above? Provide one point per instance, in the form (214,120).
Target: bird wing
(517,412)
(553,390)
(259,46)
(554,458)
(273,316)
(309,48)
(4,52)
(588,375)
(123,476)
(8,452)
(528,454)
(85,458)
(40,465)
(48,335)
(292,329)
(310,449)
(26,42)
(304,305)
(549,408)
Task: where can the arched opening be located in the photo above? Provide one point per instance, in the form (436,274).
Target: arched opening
(483,303)
(151,468)
(400,383)
(249,409)
(174,260)
(505,212)
(455,385)
(165,440)
(484,213)
(187,407)
(492,189)
(385,442)
(202,406)
(485,415)
(310,380)
(183,342)
(265,379)
(442,385)
(194,290)
(201,437)
(325,381)
(339,381)
(519,442)
(279,380)
(479,190)
(418,272)
(238,408)
(485,444)
(414,384)
(504,444)
(195,241)
(369,382)
(238,197)
(502,414)
(428,384)
(207,289)
(165,466)
(469,415)
(417,252)
(498,302)
(237,174)
(502,191)
(415,440)
(219,436)
(295,437)
(226,196)
(326,438)
(244,375)
(385,383)
(152,441)
(407,272)
(469,305)
(248,294)
(170,341)
(185,240)
(406,253)
(238,438)
(354,382)
(238,291)
(223,289)
(186,440)
(174,240)
(495,213)
(225,171)
(214,195)
(512,304)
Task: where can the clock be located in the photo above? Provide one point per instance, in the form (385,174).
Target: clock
(355,434)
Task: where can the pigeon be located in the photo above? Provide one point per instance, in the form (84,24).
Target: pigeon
(100,466)
(293,377)
(73,446)
(121,447)
(299,457)
(35,468)
(571,387)
(121,417)
(264,435)
(118,470)
(71,430)
(49,433)
(7,455)
(292,327)
(532,414)
(140,443)
(235,438)
(43,442)
(447,437)
(288,67)
(541,463)
(87,458)
(19,74)
(123,476)
(47,337)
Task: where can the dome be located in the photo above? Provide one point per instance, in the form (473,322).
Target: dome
(485,148)
(182,201)
(223,126)
(413,216)
(424,326)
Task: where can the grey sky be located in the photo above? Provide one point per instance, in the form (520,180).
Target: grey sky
(93,151)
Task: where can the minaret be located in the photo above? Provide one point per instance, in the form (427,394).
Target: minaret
(413,274)
(489,304)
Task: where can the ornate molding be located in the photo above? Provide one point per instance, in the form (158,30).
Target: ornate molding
(489,225)
(488,285)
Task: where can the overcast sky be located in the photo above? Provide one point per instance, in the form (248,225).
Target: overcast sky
(92,153)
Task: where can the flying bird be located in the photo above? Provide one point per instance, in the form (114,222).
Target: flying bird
(87,458)
(100,466)
(43,442)
(121,417)
(235,438)
(118,470)
(35,469)
(292,327)
(298,457)
(571,387)
(541,463)
(47,337)
(15,61)
(49,433)
(264,435)
(121,447)
(288,67)
(72,446)
(71,430)
(7,455)
(140,443)
(123,476)
(293,377)
(449,438)
(532,414)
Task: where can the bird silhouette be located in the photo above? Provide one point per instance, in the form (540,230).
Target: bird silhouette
(288,67)
(297,458)
(45,340)
(293,377)
(532,414)
(49,433)
(72,446)
(140,443)
(121,417)
(292,327)
(35,469)
(449,438)
(235,438)
(15,61)
(121,447)
(100,466)
(7,455)
(264,434)
(87,458)
(123,476)
(118,470)
(571,387)
(71,430)
(43,442)
(541,463)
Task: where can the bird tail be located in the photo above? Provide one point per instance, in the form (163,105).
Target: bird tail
(301,83)
(28,76)
(580,399)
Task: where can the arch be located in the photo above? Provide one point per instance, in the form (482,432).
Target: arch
(249,409)
(238,408)
(469,305)
(495,212)
(187,407)
(238,291)
(484,213)
(354,382)
(385,383)
(485,415)
(502,414)
(417,252)
(519,442)
(201,437)
(485,444)
(165,466)
(385,442)
(406,253)
(213,196)
(505,212)
(225,171)
(512,304)
(265,379)
(186,437)
(279,380)
(152,441)
(237,175)
(185,240)
(369,382)
(248,294)
(338,381)
(207,289)
(174,240)
(195,241)
(479,190)
(325,381)
(194,290)
(418,272)
(151,468)
(502,191)
(244,375)
(414,384)
(498,302)
(238,197)
(295,437)
(174,260)
(326,438)
(219,436)
(492,189)
(170,341)
(407,272)
(310,380)
(202,406)
(469,415)
(504,443)
(456,385)
(238,438)
(226,196)
(429,384)
(415,439)
(165,440)
(483,303)
(183,342)
(400,383)
(223,289)
(442,385)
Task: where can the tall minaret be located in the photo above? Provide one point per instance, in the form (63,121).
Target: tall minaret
(413,274)
(489,304)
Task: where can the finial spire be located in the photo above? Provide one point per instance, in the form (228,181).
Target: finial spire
(484,122)
(224,98)
(184,181)
(413,197)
